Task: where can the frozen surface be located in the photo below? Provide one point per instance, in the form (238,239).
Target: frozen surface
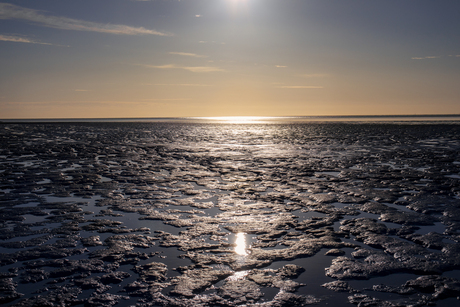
(190,214)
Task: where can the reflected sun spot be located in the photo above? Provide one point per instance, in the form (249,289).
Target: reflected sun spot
(240,244)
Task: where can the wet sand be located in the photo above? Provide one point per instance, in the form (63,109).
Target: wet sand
(266,214)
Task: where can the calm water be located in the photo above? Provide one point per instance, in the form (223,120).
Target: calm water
(245,211)
(257,119)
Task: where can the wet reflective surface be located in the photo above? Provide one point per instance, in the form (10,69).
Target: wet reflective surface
(229,214)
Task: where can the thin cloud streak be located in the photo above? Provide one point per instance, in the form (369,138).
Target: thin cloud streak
(10,11)
(300,86)
(167,99)
(70,102)
(315,75)
(203,69)
(92,102)
(180,84)
(198,69)
(19,39)
(189,54)
(426,57)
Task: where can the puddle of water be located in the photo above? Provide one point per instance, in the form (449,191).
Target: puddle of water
(26,163)
(238,276)
(23,238)
(391,225)
(70,168)
(452,274)
(88,202)
(308,215)
(47,225)
(369,215)
(30,219)
(240,244)
(398,207)
(340,205)
(44,181)
(314,276)
(408,192)
(438,227)
(449,302)
(334,174)
(394,280)
(27,205)
(131,220)
(243,242)
(104,179)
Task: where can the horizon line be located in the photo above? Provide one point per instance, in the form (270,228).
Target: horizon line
(224,118)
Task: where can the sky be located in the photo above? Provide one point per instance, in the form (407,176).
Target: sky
(171,58)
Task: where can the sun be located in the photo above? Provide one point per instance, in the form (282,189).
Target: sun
(238,3)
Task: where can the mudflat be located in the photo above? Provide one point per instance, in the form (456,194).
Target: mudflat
(219,214)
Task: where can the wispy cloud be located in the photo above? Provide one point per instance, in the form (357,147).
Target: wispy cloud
(199,69)
(72,102)
(10,11)
(315,75)
(280,66)
(20,39)
(189,54)
(93,102)
(211,42)
(180,84)
(426,57)
(300,86)
(166,99)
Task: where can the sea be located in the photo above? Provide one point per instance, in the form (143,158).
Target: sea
(230,211)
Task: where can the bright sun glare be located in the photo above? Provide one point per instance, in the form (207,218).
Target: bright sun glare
(238,119)
(238,4)
(240,242)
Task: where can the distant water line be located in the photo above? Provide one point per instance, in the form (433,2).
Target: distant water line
(254,119)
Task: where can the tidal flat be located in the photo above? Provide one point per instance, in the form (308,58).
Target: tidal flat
(227,214)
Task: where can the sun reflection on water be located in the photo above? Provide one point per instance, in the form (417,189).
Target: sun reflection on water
(240,242)
(238,276)
(240,119)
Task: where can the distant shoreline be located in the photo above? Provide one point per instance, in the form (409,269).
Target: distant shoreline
(248,119)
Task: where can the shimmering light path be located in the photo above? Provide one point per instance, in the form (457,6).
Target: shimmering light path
(229,214)
(240,242)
